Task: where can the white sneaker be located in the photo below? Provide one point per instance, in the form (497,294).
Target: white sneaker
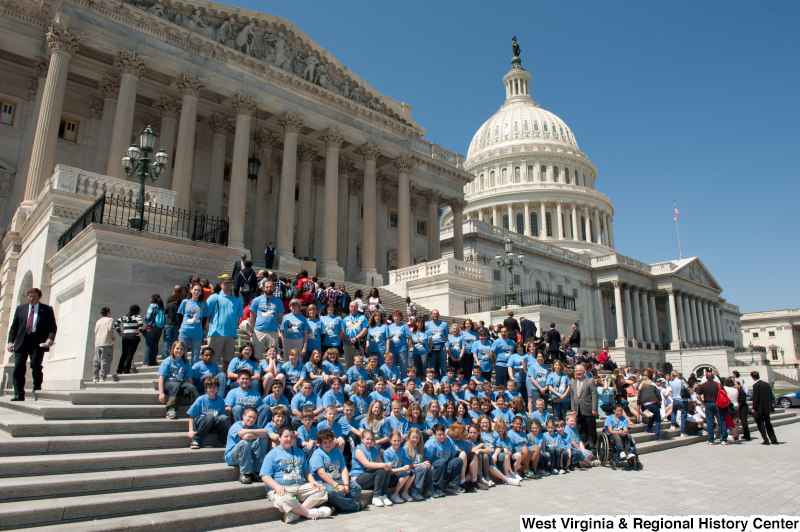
(684,435)
(377,501)
(171,414)
(622,456)
(102,379)
(95,379)
(724,442)
(710,442)
(511,476)
(396,499)
(517,475)
(513,481)
(387,501)
(290,517)
(562,472)
(319,513)
(406,497)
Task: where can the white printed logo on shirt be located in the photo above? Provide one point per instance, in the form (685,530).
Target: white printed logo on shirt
(267,310)
(192,315)
(292,469)
(333,469)
(376,336)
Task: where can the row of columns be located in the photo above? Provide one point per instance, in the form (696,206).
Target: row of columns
(639,320)
(694,319)
(526,177)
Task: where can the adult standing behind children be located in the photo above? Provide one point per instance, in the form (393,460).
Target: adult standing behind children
(553,339)
(762,408)
(103,345)
(294,330)
(245,285)
(224,309)
(129,328)
(172,322)
(584,404)
(194,310)
(266,312)
(153,325)
(439,332)
(356,328)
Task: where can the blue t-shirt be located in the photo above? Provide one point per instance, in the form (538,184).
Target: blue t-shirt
(417,382)
(225,312)
(390,374)
(372,455)
(519,440)
(380,428)
(202,371)
(564,440)
(336,399)
(287,468)
(239,397)
(469,339)
(400,425)
(503,349)
(549,441)
(398,338)
(443,398)
(474,415)
(293,373)
(315,330)
(488,439)
(377,338)
(347,426)
(353,325)
(616,424)
(332,463)
(507,415)
(431,421)
(482,355)
(306,435)
(510,396)
(543,417)
(440,451)
(539,374)
(300,402)
(385,398)
(336,428)
(398,458)
(559,383)
(332,326)
(204,406)
(193,314)
(515,362)
(354,374)
(267,310)
(424,400)
(572,437)
(334,370)
(504,443)
(308,369)
(454,343)
(237,364)
(293,326)
(419,426)
(175,370)
(271,402)
(438,332)
(233,439)
(360,403)
(419,344)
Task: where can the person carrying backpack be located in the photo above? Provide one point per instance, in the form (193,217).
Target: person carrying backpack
(154,324)
(245,285)
(306,289)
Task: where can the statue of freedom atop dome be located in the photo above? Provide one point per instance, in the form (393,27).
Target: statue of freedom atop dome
(515,46)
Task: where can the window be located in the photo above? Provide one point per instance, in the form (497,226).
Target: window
(516,127)
(8,110)
(525,126)
(545,128)
(505,130)
(482,182)
(566,175)
(536,126)
(771,334)
(517,175)
(583,228)
(422,227)
(538,285)
(505,221)
(491,179)
(543,173)
(530,173)
(755,335)
(520,223)
(562,131)
(576,178)
(575,293)
(534,224)
(504,173)
(774,354)
(548,225)
(497,132)
(496,275)
(560,288)
(489,135)
(226,174)
(393,219)
(516,279)
(556,175)
(68,129)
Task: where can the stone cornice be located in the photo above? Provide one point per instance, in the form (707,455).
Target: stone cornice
(486,162)
(516,193)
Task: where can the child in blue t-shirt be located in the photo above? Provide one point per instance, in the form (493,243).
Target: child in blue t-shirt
(274,426)
(243,396)
(246,359)
(551,443)
(276,398)
(350,431)
(617,428)
(307,432)
(331,367)
(303,400)
(523,445)
(397,456)
(292,372)
(247,453)
(207,415)
(357,372)
(334,397)
(205,368)
(380,394)
(396,420)
(511,392)
(502,411)
(540,414)
(175,377)
(565,444)
(390,371)
(537,437)
(331,413)
(580,454)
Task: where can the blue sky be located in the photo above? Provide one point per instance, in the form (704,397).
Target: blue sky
(692,101)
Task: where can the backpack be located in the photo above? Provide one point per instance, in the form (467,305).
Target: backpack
(159,319)
(245,288)
(723,401)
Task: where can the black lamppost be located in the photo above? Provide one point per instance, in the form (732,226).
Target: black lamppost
(137,163)
(752,360)
(783,362)
(509,264)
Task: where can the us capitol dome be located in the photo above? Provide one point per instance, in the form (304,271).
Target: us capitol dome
(531,178)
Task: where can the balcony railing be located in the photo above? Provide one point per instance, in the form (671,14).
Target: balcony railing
(522,298)
(124,212)
(701,345)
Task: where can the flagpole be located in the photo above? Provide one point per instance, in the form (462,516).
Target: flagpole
(680,252)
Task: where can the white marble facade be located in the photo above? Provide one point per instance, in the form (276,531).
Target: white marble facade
(777,331)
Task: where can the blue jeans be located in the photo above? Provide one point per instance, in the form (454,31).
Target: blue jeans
(246,299)
(654,409)
(437,359)
(501,376)
(535,394)
(712,411)
(422,477)
(264,415)
(402,362)
(681,404)
(448,472)
(193,345)
(151,338)
(346,503)
(247,454)
(223,383)
(170,335)
(419,362)
(560,410)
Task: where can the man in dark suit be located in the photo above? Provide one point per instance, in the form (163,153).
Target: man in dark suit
(575,337)
(528,329)
(762,408)
(583,399)
(32,332)
(269,255)
(553,339)
(238,266)
(512,325)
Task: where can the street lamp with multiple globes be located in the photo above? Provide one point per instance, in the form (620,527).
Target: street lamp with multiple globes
(137,163)
(509,263)
(752,360)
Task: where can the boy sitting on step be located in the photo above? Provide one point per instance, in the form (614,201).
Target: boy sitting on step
(247,446)
(242,397)
(207,414)
(206,367)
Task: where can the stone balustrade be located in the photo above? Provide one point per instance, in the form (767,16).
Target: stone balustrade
(78,181)
(538,187)
(447,266)
(434,151)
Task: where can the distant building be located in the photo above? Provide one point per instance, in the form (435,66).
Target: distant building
(777,331)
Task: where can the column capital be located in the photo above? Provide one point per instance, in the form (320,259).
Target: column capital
(40,64)
(386,195)
(458,205)
(130,63)
(353,187)
(369,151)
(542,203)
(346,165)
(319,177)
(380,178)
(60,38)
(404,164)
(96,109)
(652,293)
(333,138)
(306,153)
(559,202)
(290,122)
(413,204)
(617,284)
(596,287)
(110,88)
(219,124)
(433,196)
(190,85)
(643,290)
(244,104)
(33,88)
(266,139)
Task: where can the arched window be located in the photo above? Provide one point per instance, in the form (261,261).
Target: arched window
(482,181)
(545,128)
(543,173)
(534,224)
(548,224)
(505,130)
(520,223)
(491,179)
(556,175)
(538,285)
(504,173)
(530,173)
(505,221)
(517,176)
(525,126)
(583,228)
(516,127)
(576,178)
(566,175)
(489,135)
(497,131)
(536,126)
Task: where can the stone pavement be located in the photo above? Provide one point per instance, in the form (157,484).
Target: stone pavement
(742,479)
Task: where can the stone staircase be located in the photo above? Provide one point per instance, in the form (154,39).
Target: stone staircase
(104,458)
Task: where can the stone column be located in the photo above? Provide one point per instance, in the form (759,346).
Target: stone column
(645,316)
(720,328)
(587,223)
(404,164)
(170,109)
(35,93)
(284,253)
(681,318)
(559,225)
(588,319)
(245,107)
(708,309)
(687,317)
(369,227)
(511,225)
(345,167)
(597,237)
(693,318)
(527,220)
(265,142)
(220,127)
(599,313)
(110,89)
(626,298)
(576,227)
(620,342)
(458,228)
(494,216)
(307,155)
(611,230)
(63,42)
(654,335)
(637,316)
(707,322)
(607,225)
(701,326)
(328,266)
(480,215)
(383,197)
(131,65)
(433,197)
(542,221)
(675,345)
(191,87)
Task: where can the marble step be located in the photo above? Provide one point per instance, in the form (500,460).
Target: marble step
(139,383)
(16,424)
(59,410)
(96,443)
(126,396)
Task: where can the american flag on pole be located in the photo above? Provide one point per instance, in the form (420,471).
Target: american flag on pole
(676,214)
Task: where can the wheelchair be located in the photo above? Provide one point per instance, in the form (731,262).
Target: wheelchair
(608,454)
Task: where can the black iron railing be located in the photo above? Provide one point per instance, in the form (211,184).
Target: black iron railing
(701,345)
(126,212)
(756,349)
(521,298)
